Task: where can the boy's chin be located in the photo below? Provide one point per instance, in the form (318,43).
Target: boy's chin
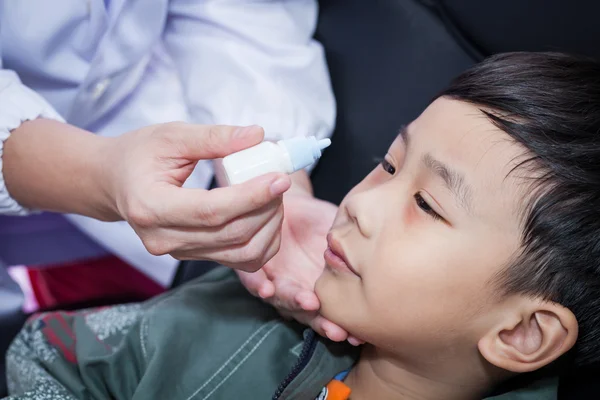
(327,289)
(319,285)
(325,282)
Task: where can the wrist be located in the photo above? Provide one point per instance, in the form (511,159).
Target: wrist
(52,166)
(105,177)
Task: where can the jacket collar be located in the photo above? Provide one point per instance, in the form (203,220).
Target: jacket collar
(321,359)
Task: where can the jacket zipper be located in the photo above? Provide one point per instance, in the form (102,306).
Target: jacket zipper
(308,349)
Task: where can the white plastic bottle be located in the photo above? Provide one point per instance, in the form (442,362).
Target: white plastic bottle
(286,156)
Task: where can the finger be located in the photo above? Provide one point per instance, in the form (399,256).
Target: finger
(252,281)
(332,331)
(169,241)
(201,142)
(248,256)
(267,290)
(285,294)
(261,248)
(199,208)
(354,341)
(257,283)
(243,229)
(328,329)
(308,300)
(235,232)
(270,251)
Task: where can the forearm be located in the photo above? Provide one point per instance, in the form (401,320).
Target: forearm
(52,166)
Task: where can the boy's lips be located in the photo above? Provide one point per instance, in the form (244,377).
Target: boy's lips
(336,258)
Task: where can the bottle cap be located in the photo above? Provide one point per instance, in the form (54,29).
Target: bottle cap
(304,151)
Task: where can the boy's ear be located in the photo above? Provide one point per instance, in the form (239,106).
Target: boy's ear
(530,338)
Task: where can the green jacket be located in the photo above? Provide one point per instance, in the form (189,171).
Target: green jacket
(208,339)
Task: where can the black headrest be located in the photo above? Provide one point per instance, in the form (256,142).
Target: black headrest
(387,60)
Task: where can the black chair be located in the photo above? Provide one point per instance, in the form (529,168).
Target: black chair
(388,58)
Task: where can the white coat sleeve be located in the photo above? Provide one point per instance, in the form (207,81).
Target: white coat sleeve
(252,62)
(17,104)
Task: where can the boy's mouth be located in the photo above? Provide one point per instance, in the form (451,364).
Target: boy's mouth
(336,258)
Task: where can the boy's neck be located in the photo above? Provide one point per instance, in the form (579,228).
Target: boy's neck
(378,375)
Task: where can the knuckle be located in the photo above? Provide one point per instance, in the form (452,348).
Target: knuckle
(250,267)
(161,132)
(269,254)
(237,232)
(253,254)
(279,216)
(208,215)
(214,132)
(259,198)
(276,246)
(214,136)
(140,215)
(157,247)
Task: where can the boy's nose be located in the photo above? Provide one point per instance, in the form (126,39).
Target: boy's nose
(355,209)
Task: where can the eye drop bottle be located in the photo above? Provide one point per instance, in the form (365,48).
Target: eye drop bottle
(286,156)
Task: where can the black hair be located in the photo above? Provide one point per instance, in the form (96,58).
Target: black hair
(550,104)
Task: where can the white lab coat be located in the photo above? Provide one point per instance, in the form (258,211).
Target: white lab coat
(111,66)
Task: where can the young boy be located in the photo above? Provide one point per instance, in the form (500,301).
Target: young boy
(469,257)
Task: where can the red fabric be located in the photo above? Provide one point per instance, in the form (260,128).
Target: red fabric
(67,348)
(90,280)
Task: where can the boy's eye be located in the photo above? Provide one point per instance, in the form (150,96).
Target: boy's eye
(387,167)
(422,204)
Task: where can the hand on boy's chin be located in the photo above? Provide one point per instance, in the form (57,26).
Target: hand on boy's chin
(287,281)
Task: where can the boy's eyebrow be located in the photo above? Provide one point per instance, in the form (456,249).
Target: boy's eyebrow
(454,180)
(403,133)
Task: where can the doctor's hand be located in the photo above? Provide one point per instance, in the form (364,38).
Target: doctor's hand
(288,280)
(238,226)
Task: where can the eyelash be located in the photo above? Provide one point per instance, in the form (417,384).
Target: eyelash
(421,203)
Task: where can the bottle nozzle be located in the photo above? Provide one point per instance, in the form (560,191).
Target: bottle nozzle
(324,143)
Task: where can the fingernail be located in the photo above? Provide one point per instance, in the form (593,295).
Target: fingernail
(279,186)
(243,132)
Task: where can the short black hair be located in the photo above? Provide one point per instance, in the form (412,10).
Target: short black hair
(550,104)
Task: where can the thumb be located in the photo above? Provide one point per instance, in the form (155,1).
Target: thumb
(201,142)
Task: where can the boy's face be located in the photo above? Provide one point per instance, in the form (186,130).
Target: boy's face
(426,233)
